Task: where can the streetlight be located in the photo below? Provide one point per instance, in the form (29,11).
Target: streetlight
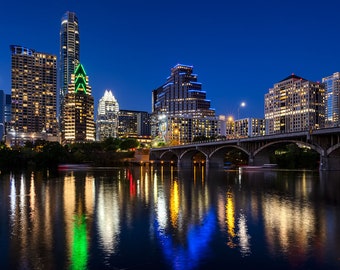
(243,104)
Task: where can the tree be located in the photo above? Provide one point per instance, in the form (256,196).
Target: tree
(129,143)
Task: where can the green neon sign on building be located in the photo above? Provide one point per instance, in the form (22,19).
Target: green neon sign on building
(80,79)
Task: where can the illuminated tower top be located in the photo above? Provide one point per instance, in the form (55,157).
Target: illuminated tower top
(182,94)
(78,110)
(108,103)
(80,80)
(69,51)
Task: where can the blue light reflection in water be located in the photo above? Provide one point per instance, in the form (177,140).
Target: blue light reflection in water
(164,218)
(188,255)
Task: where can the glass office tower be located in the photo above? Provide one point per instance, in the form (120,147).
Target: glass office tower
(107,117)
(180,110)
(182,94)
(78,111)
(69,54)
(332,87)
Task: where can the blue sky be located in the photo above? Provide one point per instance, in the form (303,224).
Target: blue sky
(238,49)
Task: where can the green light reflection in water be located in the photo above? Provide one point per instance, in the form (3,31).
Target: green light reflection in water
(79,250)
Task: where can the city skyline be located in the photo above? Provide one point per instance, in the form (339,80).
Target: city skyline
(239,50)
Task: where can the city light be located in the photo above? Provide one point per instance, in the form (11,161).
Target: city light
(243,104)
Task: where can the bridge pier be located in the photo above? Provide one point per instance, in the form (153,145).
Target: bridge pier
(184,163)
(329,163)
(215,162)
(251,160)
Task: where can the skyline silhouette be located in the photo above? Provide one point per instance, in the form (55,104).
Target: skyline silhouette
(238,50)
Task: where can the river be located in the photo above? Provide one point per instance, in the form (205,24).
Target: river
(164,218)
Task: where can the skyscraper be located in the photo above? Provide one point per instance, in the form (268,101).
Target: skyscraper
(182,94)
(332,99)
(133,124)
(294,104)
(2,114)
(180,110)
(69,54)
(34,89)
(107,117)
(78,110)
(7,112)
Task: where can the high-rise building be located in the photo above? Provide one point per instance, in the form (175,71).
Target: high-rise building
(2,114)
(78,110)
(34,89)
(175,130)
(69,54)
(182,94)
(245,128)
(181,100)
(7,112)
(107,117)
(294,104)
(332,99)
(133,124)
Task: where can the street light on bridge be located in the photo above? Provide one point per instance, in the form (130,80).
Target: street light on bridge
(243,104)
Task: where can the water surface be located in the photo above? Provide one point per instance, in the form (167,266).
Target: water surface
(162,218)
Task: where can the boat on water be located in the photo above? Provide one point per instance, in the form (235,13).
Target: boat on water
(258,168)
(73,167)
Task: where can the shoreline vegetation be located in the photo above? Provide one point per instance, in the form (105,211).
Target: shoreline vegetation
(43,154)
(114,152)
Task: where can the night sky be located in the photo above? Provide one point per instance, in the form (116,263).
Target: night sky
(238,49)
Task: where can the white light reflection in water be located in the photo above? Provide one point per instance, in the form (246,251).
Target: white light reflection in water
(22,195)
(32,197)
(108,215)
(244,237)
(161,207)
(155,193)
(13,199)
(146,187)
(288,224)
(161,211)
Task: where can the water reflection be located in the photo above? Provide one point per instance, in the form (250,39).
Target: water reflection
(160,217)
(192,220)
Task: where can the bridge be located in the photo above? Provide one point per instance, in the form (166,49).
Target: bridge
(325,141)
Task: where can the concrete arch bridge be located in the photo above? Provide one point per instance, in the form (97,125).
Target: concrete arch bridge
(326,142)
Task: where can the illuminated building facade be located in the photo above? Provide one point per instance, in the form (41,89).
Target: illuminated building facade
(332,99)
(33,94)
(182,102)
(175,130)
(107,117)
(8,112)
(78,125)
(294,104)
(2,112)
(133,124)
(245,128)
(69,53)
(181,94)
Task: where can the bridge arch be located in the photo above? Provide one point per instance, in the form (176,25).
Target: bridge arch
(217,156)
(333,149)
(312,146)
(218,150)
(169,155)
(186,158)
(259,159)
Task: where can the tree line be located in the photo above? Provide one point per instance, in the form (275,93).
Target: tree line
(45,154)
